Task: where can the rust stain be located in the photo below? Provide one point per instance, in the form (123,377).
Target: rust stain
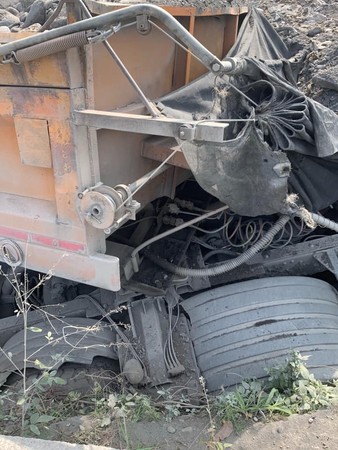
(37,103)
(51,71)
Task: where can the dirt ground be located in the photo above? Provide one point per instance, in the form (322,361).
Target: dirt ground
(315,431)
(299,432)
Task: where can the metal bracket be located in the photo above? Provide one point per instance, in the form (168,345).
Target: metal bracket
(209,131)
(95,36)
(329,259)
(142,24)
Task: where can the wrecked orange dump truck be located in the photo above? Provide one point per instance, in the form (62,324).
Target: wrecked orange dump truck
(166,194)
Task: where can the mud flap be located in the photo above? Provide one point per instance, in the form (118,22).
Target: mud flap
(51,343)
(244,172)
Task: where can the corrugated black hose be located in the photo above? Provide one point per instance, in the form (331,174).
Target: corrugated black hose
(228,265)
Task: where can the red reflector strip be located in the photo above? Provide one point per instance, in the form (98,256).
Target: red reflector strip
(41,240)
(14,234)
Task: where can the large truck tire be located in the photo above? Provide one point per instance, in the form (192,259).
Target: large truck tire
(241,329)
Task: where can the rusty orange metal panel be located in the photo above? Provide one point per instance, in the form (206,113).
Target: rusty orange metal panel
(33,141)
(97,269)
(188,72)
(35,217)
(230,32)
(150,61)
(50,71)
(17,178)
(209,31)
(65,171)
(180,63)
(37,103)
(60,184)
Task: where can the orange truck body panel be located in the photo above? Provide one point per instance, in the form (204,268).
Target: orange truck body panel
(47,160)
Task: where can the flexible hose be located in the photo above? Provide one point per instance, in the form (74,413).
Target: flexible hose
(228,265)
(324,222)
(135,252)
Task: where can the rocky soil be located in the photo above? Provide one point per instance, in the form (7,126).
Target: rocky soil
(310,28)
(314,431)
(28,14)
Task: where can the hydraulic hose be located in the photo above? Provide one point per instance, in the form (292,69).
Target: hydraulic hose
(228,265)
(135,252)
(324,222)
(309,218)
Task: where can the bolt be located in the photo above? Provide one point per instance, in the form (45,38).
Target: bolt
(80,195)
(216,67)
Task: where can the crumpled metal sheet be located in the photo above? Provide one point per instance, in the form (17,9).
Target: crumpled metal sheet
(233,171)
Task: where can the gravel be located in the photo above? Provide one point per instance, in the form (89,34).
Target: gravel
(309,27)
(8,19)
(29,14)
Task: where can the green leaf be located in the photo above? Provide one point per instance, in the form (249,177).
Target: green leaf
(271,395)
(34,418)
(21,401)
(34,429)
(44,418)
(161,393)
(312,391)
(304,372)
(39,364)
(302,388)
(58,380)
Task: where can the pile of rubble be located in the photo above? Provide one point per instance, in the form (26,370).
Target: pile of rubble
(309,28)
(28,14)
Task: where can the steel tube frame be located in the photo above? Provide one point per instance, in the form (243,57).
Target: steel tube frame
(150,106)
(210,61)
(157,126)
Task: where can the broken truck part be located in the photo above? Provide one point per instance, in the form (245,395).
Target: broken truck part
(162,168)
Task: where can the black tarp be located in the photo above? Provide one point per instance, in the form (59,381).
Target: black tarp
(287,127)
